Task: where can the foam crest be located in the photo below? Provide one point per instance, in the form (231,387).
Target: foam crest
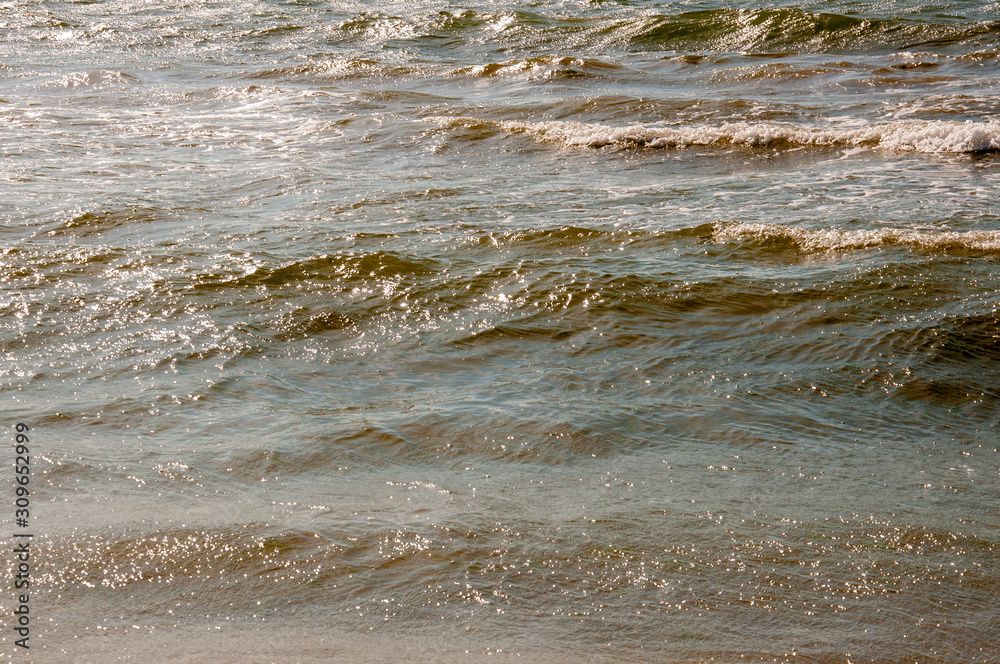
(840,240)
(919,136)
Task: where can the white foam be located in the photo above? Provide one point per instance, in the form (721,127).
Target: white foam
(919,136)
(840,240)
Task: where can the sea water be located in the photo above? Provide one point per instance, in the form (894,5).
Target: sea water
(550,331)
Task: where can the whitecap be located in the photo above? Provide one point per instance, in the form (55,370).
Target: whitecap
(918,136)
(845,240)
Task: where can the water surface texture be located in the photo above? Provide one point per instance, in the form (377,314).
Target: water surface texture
(551,331)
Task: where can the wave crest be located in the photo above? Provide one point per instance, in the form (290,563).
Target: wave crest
(841,240)
(918,136)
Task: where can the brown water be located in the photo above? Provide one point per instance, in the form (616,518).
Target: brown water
(602,332)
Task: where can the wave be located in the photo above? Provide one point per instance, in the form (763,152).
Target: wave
(723,29)
(745,30)
(324,268)
(96,222)
(918,136)
(764,30)
(342,69)
(92,79)
(841,240)
(550,67)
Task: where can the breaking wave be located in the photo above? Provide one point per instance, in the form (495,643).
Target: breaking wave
(918,136)
(840,240)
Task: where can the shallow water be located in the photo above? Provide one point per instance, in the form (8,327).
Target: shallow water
(561,331)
